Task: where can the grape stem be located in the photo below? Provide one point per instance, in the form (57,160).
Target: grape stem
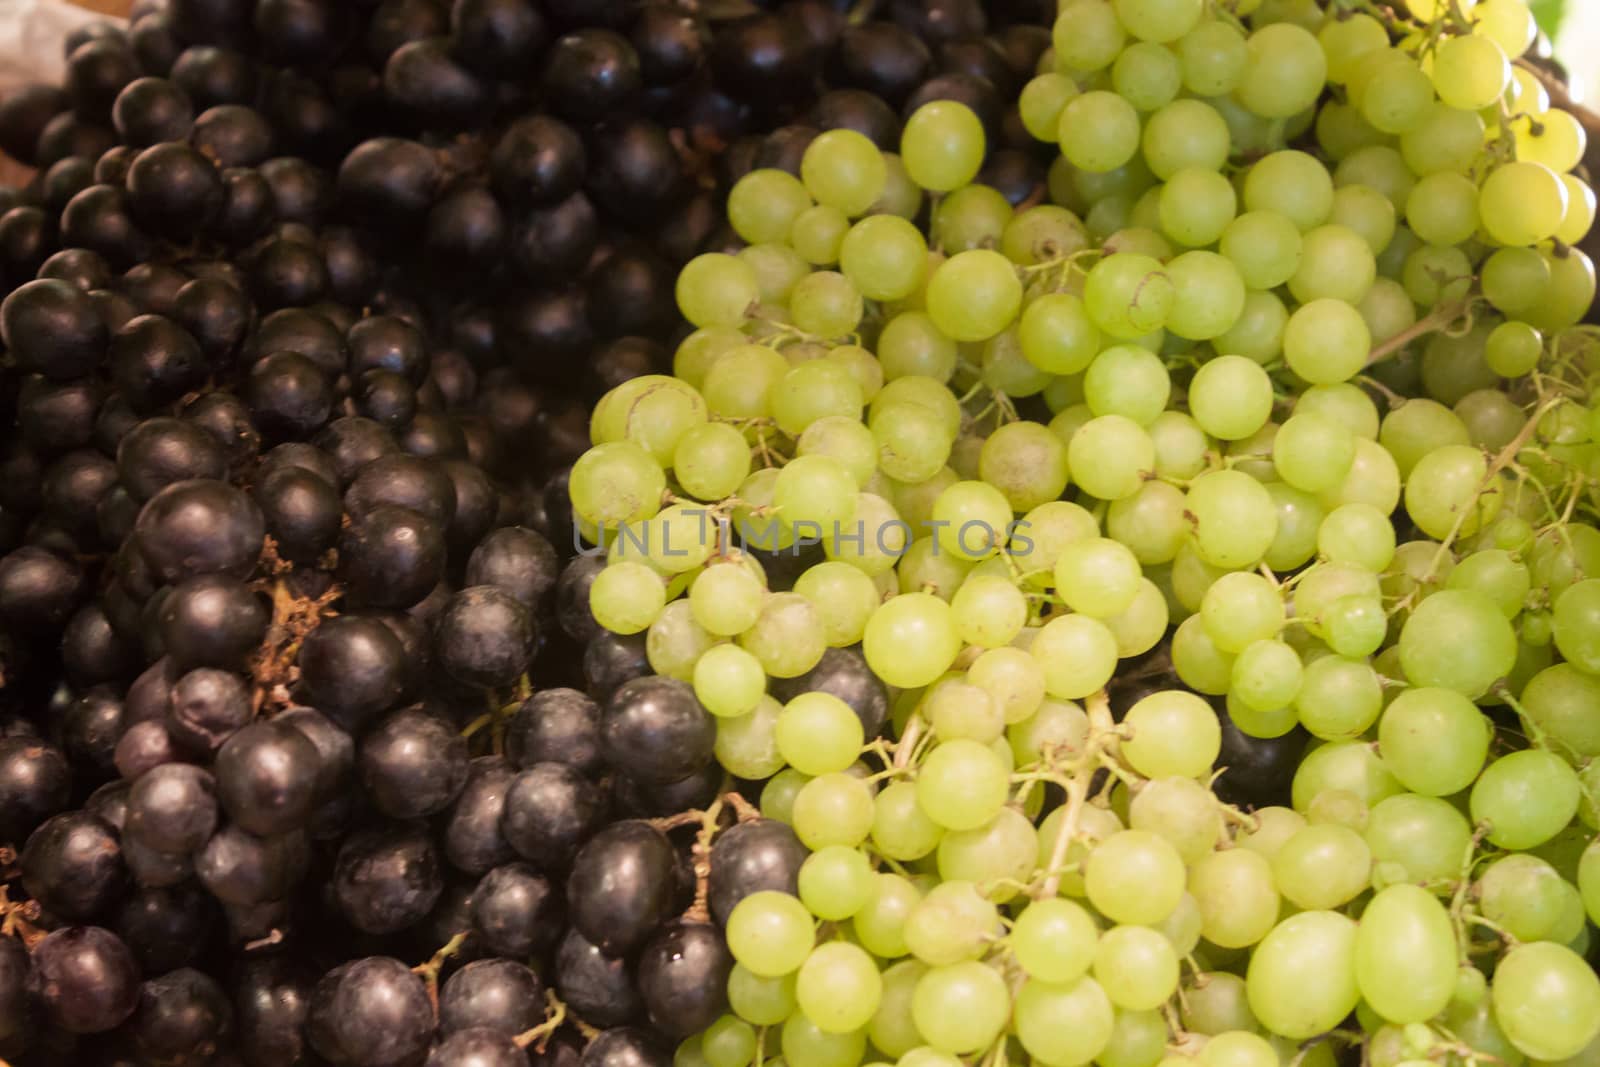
(1101,728)
(700,910)
(430,970)
(1440,318)
(17,919)
(539,1036)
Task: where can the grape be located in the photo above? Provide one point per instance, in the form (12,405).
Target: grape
(1302,976)
(1233,516)
(833,809)
(951,924)
(1470,72)
(1576,625)
(1211,296)
(1098,131)
(1522,203)
(1547,1000)
(1109,456)
(973,295)
(1134,876)
(1041,102)
(884,256)
(716,289)
(818,734)
(838,988)
(962,785)
(1077,653)
(1069,1022)
(787,636)
(1457,640)
(1146,75)
(1089,37)
(942,145)
(769,934)
(1326,342)
(813,391)
(1237,897)
(1526,798)
(763,205)
(1284,71)
(1433,740)
(844,170)
(1406,955)
(961,1007)
(825,303)
(880,924)
(1213,57)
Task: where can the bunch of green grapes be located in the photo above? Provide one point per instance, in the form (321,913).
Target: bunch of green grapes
(1286,375)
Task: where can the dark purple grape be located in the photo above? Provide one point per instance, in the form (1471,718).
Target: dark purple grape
(412,763)
(843,673)
(516,911)
(15,1010)
(557,726)
(518,561)
(267,777)
(200,527)
(750,857)
(151,110)
(183,1017)
(85,979)
(499,994)
(550,810)
(683,977)
(213,621)
(655,730)
(371,1012)
(207,707)
(38,589)
(272,998)
(598,987)
(352,667)
(387,879)
(473,842)
(591,73)
(622,886)
(627,1046)
(51,327)
(35,783)
(391,557)
(485,637)
(240,868)
(421,485)
(172,808)
(72,865)
(166,928)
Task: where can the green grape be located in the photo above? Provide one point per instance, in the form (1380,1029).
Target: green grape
(1302,976)
(952,923)
(778,795)
(1322,866)
(1514,279)
(971,217)
(1560,700)
(1394,95)
(990,611)
(726,598)
(1063,1023)
(696,353)
(770,933)
(1234,518)
(627,597)
(1147,76)
(1284,72)
(1026,462)
(942,145)
(1098,131)
(1576,625)
(961,1007)
(747,746)
(1339,697)
(1313,452)
(817,234)
(1526,798)
(777,267)
(1523,894)
(738,384)
(675,642)
(1129,296)
(1508,23)
(1326,342)
(1143,624)
(1231,397)
(1041,102)
(1387,308)
(1470,72)
(901,196)
(1109,457)
(679,538)
(1238,1048)
(1581,208)
(1181,446)
(1522,203)
(1589,880)
(1266,675)
(711,460)
(974,295)
(1181,810)
(1547,998)
(814,390)
(1372,479)
(1199,663)
(1136,967)
(1054,940)
(841,438)
(1434,275)
(880,924)
(900,829)
(1240,609)
(1496,574)
(972,520)
(787,636)
(956,709)
(816,492)
(838,988)
(962,785)
(913,441)
(844,597)
(1185,135)
(1258,332)
(1491,417)
(884,256)
(1078,655)
(1421,838)
(1379,167)
(833,809)
(1196,206)
(1292,184)
(1134,876)
(1138,1039)
(1211,296)
(862,365)
(1097,577)
(729,681)
(892,1030)
(1150,523)
(1161,21)
(1350,766)
(825,303)
(843,169)
(715,289)
(1359,534)
(1237,897)
(1212,57)
(925,568)
(818,734)
(728,1042)
(1006,370)
(1442,208)
(1459,640)
(615,483)
(911,640)
(763,205)
(1336,263)
(1348,42)
(1013,679)
(758,999)
(1044,233)
(1087,36)
(805,1044)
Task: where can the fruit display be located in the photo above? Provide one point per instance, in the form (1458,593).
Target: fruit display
(799,534)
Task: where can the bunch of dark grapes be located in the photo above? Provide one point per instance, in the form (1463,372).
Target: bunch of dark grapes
(311,751)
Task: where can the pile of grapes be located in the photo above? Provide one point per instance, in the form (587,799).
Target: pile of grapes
(1112,574)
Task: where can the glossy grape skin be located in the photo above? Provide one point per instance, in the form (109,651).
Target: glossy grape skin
(655,730)
(599,986)
(500,994)
(167,928)
(182,1014)
(550,810)
(267,777)
(370,1012)
(387,879)
(559,726)
(72,865)
(173,808)
(622,886)
(85,979)
(34,783)
(412,763)
(683,977)
(751,857)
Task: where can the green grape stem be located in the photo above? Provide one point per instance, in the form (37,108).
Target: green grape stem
(430,970)
(1440,318)
(1102,732)
(555,1014)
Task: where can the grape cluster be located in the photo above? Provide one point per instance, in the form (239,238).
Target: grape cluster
(1165,607)
(303,312)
